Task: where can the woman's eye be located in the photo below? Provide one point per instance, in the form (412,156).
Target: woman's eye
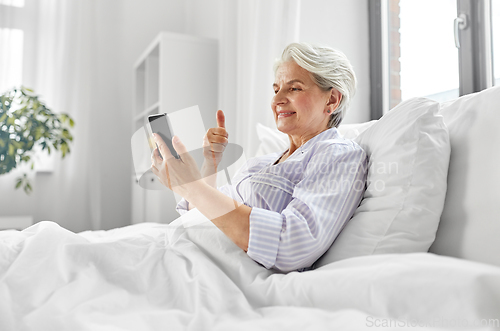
(292,89)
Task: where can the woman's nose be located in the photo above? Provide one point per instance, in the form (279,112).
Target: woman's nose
(279,99)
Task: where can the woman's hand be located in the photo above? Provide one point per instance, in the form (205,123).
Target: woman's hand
(214,144)
(180,175)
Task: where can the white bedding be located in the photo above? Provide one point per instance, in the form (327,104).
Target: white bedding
(171,277)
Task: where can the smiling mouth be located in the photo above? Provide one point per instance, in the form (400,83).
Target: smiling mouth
(287,114)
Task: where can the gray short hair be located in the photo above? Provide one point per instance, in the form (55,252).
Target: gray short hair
(329,69)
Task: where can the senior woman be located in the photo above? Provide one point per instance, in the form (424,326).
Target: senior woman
(284,209)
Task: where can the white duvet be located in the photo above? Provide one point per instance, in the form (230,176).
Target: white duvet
(189,276)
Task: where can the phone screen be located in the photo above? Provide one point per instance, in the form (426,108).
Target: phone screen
(160,125)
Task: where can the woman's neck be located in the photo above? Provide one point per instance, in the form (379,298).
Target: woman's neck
(298,141)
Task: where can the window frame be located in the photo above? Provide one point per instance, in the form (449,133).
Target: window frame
(379,57)
(475,53)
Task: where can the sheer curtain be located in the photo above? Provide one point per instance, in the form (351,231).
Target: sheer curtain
(254,34)
(64,78)
(58,66)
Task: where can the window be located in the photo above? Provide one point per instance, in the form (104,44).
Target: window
(429,58)
(11,58)
(420,48)
(17,50)
(14,3)
(495,20)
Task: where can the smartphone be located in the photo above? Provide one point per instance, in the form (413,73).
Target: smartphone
(160,124)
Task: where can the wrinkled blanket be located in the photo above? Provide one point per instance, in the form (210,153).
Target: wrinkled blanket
(189,276)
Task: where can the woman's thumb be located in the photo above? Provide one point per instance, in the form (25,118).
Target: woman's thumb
(221,119)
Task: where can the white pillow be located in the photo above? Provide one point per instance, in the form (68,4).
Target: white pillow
(351,131)
(470,224)
(271,140)
(408,150)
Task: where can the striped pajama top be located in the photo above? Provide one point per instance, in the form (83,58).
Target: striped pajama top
(299,206)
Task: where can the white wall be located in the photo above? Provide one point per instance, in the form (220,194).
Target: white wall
(343,25)
(211,19)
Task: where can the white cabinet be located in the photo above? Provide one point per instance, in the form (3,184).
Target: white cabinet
(175,72)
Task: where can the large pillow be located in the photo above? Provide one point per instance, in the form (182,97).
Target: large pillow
(470,224)
(271,140)
(408,150)
(352,131)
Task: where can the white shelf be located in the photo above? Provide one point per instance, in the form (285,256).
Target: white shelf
(174,72)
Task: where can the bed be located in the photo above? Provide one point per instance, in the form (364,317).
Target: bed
(421,251)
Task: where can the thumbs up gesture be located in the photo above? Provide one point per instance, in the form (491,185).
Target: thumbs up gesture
(214,144)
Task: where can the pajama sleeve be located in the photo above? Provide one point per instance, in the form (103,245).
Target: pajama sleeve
(321,204)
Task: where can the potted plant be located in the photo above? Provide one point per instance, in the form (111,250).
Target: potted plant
(26,122)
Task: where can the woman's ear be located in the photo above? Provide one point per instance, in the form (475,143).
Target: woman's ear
(334,100)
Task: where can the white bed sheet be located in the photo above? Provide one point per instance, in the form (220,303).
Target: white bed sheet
(189,276)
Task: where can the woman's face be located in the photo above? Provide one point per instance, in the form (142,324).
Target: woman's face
(299,105)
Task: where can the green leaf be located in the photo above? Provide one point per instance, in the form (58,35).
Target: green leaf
(64,148)
(71,122)
(65,133)
(28,188)
(11,150)
(38,133)
(16,144)
(18,184)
